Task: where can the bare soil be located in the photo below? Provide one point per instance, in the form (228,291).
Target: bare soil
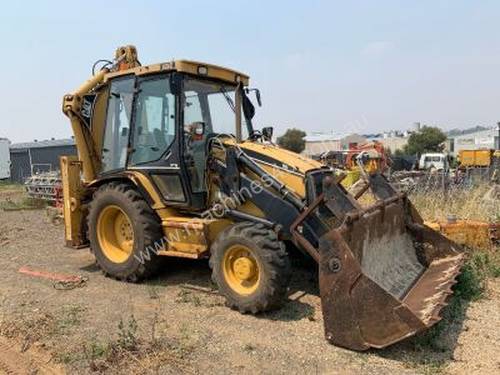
(178,322)
(17,359)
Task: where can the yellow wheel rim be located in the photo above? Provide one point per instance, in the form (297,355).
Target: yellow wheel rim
(115,234)
(241,269)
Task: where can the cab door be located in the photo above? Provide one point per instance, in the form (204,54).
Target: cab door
(154,145)
(117,127)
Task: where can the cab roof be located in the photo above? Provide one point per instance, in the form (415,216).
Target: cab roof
(187,66)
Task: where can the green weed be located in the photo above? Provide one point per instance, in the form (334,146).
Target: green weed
(127,334)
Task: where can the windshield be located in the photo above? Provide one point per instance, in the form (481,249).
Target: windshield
(214,104)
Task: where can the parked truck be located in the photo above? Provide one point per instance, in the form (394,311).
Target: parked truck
(477,158)
(4,159)
(437,161)
(483,164)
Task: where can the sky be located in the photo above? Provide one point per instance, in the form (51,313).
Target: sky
(322,66)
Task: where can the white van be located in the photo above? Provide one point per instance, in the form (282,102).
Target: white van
(436,161)
(4,159)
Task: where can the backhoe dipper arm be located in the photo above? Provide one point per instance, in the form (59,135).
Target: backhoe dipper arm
(85,145)
(125,58)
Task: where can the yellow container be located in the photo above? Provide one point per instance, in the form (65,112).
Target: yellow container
(475,158)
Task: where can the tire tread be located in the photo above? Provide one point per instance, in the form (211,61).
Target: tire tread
(272,251)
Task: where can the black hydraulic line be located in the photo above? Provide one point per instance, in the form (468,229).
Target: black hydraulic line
(281,188)
(238,215)
(107,63)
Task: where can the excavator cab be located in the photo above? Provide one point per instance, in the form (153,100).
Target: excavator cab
(169,164)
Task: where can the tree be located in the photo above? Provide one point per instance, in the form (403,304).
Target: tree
(428,139)
(399,153)
(293,140)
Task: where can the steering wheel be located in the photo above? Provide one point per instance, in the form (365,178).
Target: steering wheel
(188,138)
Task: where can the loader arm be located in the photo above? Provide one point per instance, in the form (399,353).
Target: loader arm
(383,274)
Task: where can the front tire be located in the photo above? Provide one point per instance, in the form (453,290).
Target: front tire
(123,231)
(251,267)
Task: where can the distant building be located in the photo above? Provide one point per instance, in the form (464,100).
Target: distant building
(394,143)
(484,139)
(394,140)
(317,144)
(448,145)
(39,156)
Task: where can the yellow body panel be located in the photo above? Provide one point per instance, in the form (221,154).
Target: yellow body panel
(185,235)
(287,167)
(186,66)
(190,237)
(158,205)
(298,162)
(72,209)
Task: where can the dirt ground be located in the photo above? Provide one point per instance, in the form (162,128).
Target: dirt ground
(178,322)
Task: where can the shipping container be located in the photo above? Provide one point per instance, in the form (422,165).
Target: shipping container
(4,159)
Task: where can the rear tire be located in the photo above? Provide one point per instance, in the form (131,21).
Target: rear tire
(123,230)
(251,267)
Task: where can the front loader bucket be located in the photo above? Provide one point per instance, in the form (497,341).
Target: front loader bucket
(383,275)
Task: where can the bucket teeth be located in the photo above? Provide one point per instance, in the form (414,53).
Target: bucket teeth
(428,296)
(448,291)
(435,318)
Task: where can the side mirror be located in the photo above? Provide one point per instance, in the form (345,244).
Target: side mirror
(267,133)
(257,96)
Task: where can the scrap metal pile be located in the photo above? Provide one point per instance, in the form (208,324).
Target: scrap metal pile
(46,186)
(418,180)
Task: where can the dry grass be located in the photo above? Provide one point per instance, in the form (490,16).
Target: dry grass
(7,186)
(467,204)
(22,204)
(464,203)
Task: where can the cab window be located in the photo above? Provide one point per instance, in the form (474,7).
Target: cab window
(154,128)
(116,132)
(211,103)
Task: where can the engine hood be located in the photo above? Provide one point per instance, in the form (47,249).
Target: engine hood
(278,157)
(286,166)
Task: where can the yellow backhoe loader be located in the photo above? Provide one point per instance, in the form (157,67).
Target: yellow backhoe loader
(170,165)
